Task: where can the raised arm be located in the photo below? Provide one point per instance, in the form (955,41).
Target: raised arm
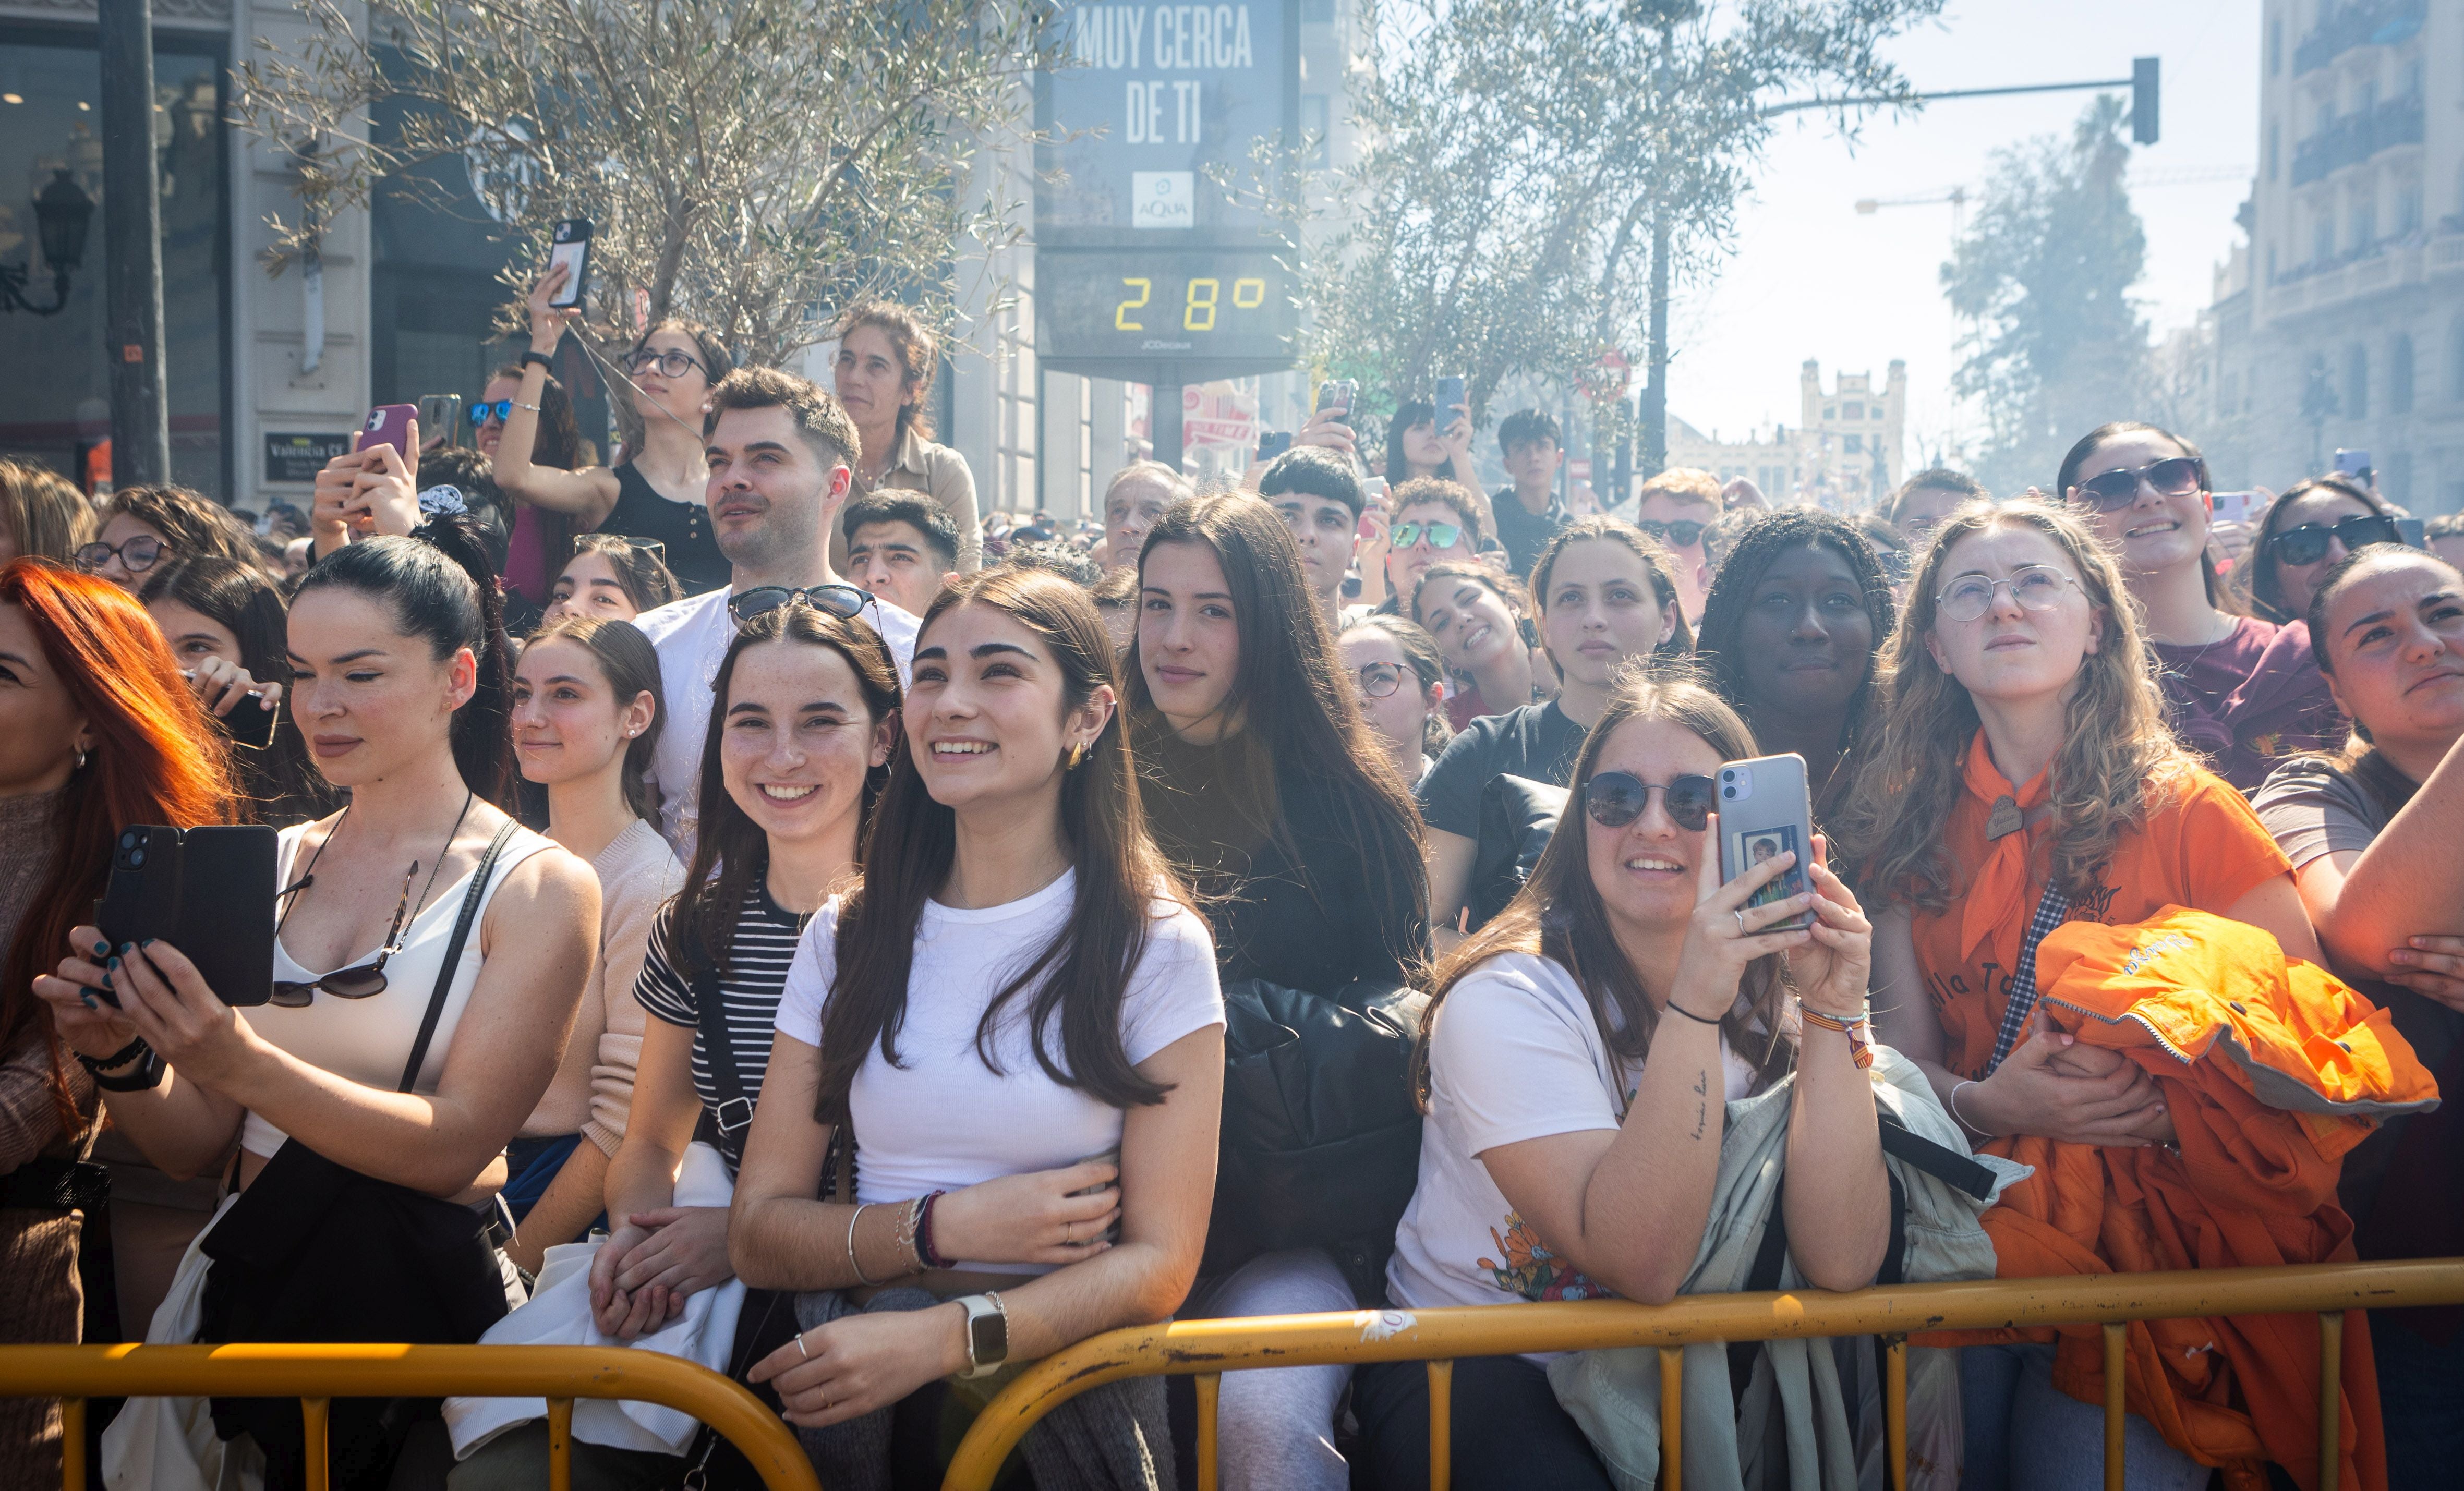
(585,495)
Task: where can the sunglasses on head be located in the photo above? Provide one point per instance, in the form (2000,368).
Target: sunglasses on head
(1440,536)
(1617,799)
(843,601)
(1683,533)
(2308,544)
(2110,492)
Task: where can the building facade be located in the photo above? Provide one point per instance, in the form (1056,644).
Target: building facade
(2343,325)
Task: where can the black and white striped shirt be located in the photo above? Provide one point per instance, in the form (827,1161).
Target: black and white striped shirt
(748,996)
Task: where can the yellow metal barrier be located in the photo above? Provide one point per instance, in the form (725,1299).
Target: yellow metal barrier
(317,1375)
(1206,1348)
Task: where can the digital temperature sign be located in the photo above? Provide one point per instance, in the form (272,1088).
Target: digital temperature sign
(1148,267)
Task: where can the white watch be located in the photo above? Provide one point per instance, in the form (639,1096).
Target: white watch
(987,1333)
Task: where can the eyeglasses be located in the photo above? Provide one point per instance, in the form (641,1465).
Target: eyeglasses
(2110,492)
(501,411)
(843,601)
(1379,680)
(2037,587)
(137,555)
(1440,536)
(2308,544)
(1617,799)
(670,365)
(363,981)
(1683,533)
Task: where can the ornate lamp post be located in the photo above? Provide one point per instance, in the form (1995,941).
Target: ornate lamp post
(62,213)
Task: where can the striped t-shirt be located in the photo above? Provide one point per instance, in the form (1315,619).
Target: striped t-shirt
(748,997)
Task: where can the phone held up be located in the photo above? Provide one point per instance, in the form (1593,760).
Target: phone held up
(572,251)
(206,892)
(1273,443)
(1452,395)
(1338,394)
(440,419)
(389,425)
(1766,811)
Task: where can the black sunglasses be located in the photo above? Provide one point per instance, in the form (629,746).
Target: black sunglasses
(1617,799)
(363,981)
(2308,544)
(1683,533)
(843,601)
(2175,476)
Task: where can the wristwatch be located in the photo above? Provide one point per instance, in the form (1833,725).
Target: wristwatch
(987,1334)
(534,355)
(146,1075)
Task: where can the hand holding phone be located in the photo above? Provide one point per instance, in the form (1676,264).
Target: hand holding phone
(1335,398)
(1766,812)
(571,253)
(207,891)
(395,425)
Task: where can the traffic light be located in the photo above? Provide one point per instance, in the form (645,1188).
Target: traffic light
(2142,101)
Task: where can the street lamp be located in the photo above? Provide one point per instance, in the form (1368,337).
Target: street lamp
(62,213)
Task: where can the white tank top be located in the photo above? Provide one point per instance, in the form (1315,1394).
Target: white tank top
(367,1040)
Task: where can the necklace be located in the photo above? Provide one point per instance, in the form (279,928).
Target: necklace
(310,877)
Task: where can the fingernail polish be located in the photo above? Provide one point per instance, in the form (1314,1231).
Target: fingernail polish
(102,949)
(127,948)
(88,1002)
(106,980)
(147,943)
(114,963)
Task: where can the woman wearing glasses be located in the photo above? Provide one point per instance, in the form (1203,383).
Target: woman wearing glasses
(2021,773)
(1574,1064)
(408,1054)
(143,526)
(2310,527)
(1606,598)
(2240,691)
(1402,686)
(659,493)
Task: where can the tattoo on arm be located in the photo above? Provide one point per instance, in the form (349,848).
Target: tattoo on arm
(1702,1110)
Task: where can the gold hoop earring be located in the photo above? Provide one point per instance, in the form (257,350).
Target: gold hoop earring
(1077,754)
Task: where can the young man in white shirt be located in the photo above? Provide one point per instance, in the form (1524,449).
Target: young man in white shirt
(781,456)
(1320,499)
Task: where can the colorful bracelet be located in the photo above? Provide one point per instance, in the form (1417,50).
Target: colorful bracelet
(1858,1030)
(924,1253)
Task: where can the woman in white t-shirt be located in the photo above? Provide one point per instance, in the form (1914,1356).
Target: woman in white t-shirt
(1015,1006)
(1576,1060)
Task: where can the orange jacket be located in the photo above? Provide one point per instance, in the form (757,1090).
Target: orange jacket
(2271,1071)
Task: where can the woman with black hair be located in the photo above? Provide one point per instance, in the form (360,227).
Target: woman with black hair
(2239,691)
(1016,1007)
(659,492)
(612,578)
(2306,532)
(1423,439)
(1481,621)
(428,959)
(540,541)
(225,622)
(1789,632)
(143,526)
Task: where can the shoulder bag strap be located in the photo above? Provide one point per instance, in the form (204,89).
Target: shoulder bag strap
(470,900)
(735,1112)
(2050,909)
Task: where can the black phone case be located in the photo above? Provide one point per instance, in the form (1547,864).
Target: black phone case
(207,892)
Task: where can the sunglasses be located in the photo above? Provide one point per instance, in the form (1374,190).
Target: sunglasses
(2308,544)
(2110,492)
(1617,799)
(843,601)
(1440,536)
(136,554)
(361,981)
(670,365)
(1379,680)
(501,411)
(1683,533)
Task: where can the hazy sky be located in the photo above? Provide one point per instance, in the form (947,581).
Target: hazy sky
(1810,277)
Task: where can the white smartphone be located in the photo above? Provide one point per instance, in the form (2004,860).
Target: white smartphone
(572,251)
(1766,811)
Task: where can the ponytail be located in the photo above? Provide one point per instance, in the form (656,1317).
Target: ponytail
(442,588)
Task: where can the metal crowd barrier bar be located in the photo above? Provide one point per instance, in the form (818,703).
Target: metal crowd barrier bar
(1207,1349)
(317,1374)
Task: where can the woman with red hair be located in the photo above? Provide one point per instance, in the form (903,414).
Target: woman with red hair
(97,732)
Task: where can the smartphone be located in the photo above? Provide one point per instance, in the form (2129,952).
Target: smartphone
(1451,393)
(389,425)
(572,250)
(1111,1157)
(207,891)
(1274,444)
(2236,507)
(1764,810)
(440,419)
(251,723)
(2353,463)
(1338,393)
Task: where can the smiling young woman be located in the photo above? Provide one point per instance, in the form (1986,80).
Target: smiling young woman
(2240,691)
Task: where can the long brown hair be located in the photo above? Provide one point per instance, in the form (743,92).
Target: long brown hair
(630,665)
(1558,915)
(1658,563)
(1081,976)
(155,760)
(45,513)
(2118,761)
(731,853)
(192,522)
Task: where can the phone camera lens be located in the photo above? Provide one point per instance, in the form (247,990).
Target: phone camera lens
(1728,792)
(136,857)
(128,840)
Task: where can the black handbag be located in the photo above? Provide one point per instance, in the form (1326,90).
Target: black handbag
(1321,1142)
(1517,817)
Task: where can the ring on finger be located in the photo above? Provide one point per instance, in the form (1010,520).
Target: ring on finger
(1742,929)
(799,1349)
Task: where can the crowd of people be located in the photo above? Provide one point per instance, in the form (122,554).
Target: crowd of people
(679,861)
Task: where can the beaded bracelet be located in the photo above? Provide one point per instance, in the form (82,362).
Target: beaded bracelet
(1858,1030)
(924,1253)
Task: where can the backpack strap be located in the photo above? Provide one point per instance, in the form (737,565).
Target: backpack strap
(445,972)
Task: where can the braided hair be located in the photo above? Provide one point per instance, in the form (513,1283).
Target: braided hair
(1732,593)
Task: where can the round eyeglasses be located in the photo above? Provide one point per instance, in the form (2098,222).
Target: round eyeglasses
(137,555)
(1377,680)
(2037,587)
(670,363)
(1617,799)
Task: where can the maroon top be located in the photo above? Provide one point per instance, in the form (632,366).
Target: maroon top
(2250,699)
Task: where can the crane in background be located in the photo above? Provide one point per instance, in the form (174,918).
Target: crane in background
(1957,196)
